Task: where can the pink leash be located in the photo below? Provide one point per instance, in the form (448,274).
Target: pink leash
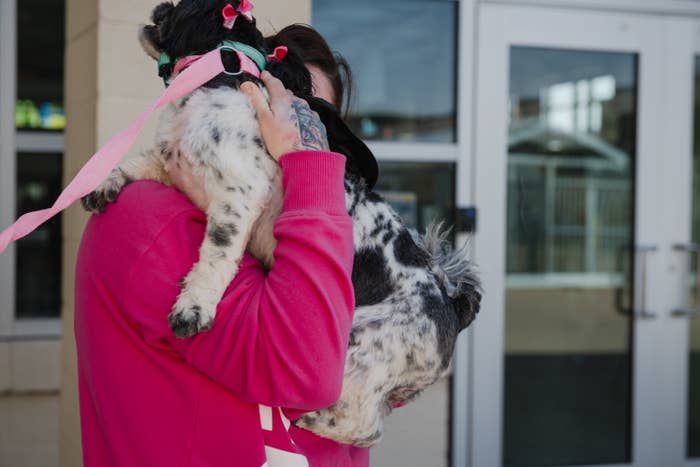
(106,159)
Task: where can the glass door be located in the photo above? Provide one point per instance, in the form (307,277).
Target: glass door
(691,313)
(575,356)
(569,216)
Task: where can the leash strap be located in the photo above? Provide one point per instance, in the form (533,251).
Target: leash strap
(252,60)
(99,166)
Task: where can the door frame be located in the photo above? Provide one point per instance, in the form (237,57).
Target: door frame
(8,60)
(655,439)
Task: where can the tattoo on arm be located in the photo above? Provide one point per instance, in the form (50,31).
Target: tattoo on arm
(311,130)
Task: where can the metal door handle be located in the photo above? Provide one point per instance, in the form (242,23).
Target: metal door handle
(690,248)
(685,313)
(641,267)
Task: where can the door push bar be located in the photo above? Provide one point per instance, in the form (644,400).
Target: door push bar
(642,252)
(690,313)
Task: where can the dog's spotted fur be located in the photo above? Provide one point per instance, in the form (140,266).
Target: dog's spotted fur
(413,293)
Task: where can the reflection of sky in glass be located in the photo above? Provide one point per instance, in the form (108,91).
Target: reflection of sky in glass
(403,55)
(542,68)
(571,150)
(576,95)
(577,106)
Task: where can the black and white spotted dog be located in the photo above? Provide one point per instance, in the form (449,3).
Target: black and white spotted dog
(414,294)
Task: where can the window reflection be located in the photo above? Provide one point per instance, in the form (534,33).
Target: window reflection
(40,43)
(571,153)
(40,54)
(694,342)
(420,192)
(403,56)
(569,198)
(38,262)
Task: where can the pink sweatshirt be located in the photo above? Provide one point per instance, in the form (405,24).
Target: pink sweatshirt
(279,338)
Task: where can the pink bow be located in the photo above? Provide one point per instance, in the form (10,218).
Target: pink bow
(230,13)
(246,9)
(278,54)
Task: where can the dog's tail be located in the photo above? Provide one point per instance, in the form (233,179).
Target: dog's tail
(455,270)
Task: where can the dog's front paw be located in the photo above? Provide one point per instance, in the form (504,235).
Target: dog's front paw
(98,199)
(308,421)
(360,425)
(189,318)
(107,192)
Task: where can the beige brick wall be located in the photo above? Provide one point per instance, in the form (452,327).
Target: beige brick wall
(30,373)
(109,80)
(29,430)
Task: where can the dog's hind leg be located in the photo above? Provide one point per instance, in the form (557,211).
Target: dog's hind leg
(373,365)
(229,221)
(147,166)
(358,416)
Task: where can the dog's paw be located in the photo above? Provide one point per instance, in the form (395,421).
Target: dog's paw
(308,421)
(342,428)
(107,192)
(97,200)
(189,318)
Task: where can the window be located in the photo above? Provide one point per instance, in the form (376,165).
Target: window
(403,55)
(40,50)
(38,266)
(31,95)
(570,216)
(404,58)
(570,171)
(421,193)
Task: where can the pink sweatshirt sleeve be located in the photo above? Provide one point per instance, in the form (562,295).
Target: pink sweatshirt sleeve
(280,336)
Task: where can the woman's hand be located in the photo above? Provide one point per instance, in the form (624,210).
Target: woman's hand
(287,123)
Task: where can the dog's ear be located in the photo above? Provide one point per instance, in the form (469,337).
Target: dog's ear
(467,303)
(162,13)
(151,37)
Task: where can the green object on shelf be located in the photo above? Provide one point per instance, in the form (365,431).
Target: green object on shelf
(20,115)
(49,116)
(33,116)
(27,115)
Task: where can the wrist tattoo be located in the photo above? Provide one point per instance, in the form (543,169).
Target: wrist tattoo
(312,132)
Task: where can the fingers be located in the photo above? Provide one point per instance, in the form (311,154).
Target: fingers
(287,123)
(274,86)
(280,97)
(258,100)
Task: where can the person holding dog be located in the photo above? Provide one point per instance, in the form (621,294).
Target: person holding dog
(149,399)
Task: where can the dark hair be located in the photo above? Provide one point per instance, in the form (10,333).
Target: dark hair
(314,50)
(194,27)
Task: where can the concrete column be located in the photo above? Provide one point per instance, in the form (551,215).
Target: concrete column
(109,80)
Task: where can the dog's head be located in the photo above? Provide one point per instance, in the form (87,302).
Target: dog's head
(195,27)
